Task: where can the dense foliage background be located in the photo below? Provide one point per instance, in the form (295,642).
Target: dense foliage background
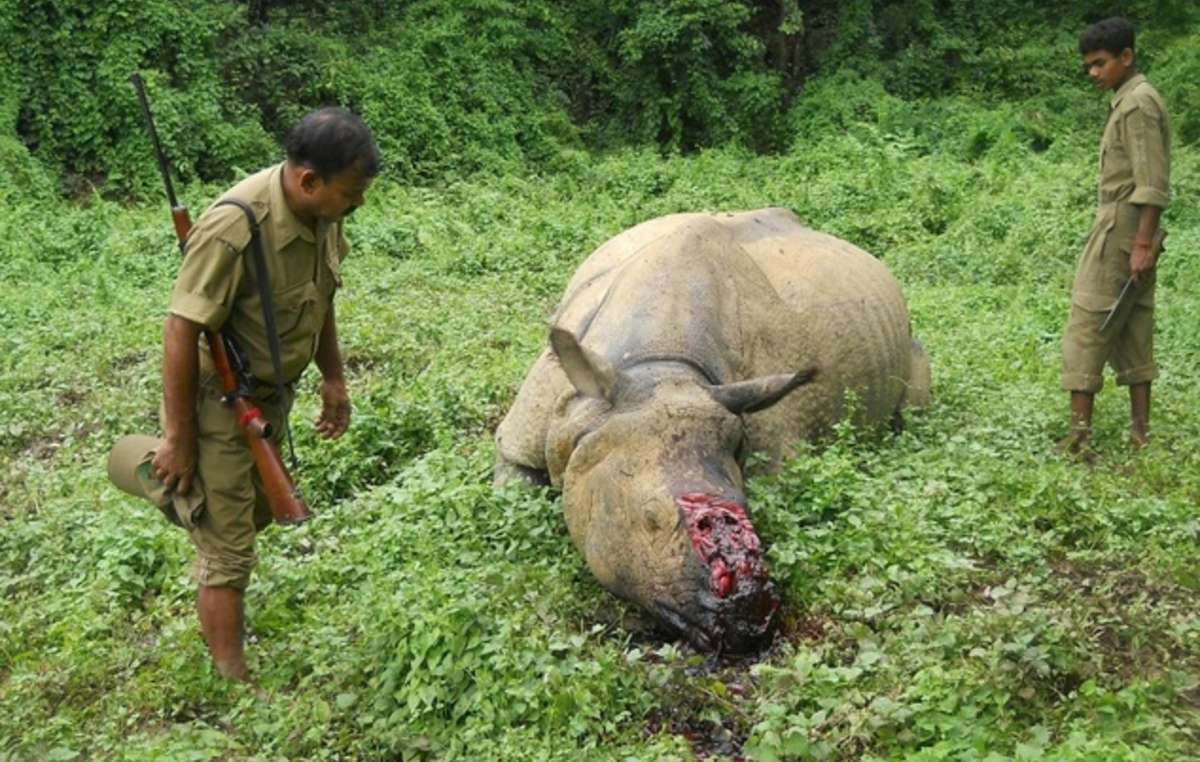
(457,86)
(954,592)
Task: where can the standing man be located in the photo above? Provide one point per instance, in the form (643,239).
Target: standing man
(201,475)
(1135,163)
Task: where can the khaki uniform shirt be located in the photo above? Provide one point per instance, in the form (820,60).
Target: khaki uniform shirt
(217,287)
(1135,168)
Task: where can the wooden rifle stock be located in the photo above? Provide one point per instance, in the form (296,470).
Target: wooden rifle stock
(182,223)
(287,505)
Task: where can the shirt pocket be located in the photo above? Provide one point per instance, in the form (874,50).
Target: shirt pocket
(296,308)
(300,315)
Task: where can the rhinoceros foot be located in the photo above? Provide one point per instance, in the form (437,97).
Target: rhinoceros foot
(736,613)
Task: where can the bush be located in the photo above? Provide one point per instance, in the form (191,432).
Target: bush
(455,87)
(22,178)
(449,88)
(688,73)
(71,63)
(1176,73)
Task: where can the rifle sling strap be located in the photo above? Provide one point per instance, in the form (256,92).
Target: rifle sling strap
(264,294)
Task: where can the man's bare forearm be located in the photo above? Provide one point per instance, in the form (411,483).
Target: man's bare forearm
(1144,255)
(179,374)
(329,356)
(1148,219)
(335,402)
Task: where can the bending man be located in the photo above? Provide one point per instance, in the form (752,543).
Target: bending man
(201,475)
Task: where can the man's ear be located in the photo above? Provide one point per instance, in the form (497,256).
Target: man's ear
(308,179)
(1127,57)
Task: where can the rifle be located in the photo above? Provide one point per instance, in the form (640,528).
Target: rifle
(287,505)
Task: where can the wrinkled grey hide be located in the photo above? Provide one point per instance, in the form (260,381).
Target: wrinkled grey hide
(680,346)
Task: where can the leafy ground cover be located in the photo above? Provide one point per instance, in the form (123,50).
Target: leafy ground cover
(956,591)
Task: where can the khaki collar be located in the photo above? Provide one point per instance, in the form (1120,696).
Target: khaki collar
(1127,88)
(285,225)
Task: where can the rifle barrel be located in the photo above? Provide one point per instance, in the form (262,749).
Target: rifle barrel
(287,504)
(136,79)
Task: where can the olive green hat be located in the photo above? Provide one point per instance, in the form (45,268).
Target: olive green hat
(129,469)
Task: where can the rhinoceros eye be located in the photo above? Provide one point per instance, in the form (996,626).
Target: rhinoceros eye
(652,521)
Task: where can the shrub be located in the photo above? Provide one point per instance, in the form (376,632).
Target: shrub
(689,73)
(1176,73)
(71,63)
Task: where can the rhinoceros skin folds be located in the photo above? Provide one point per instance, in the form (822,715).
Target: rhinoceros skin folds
(681,346)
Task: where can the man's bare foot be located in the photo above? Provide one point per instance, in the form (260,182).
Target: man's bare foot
(1077,445)
(234,670)
(1138,440)
(241,674)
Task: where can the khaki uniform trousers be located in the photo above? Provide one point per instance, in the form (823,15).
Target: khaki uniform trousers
(226,506)
(1127,343)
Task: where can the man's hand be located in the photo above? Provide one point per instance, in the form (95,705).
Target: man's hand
(335,409)
(174,464)
(1143,258)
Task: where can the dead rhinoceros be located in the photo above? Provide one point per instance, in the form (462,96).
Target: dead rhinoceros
(681,346)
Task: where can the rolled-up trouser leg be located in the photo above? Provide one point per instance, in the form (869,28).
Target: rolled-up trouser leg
(227,504)
(236,504)
(1101,278)
(1133,353)
(1084,350)
(1127,344)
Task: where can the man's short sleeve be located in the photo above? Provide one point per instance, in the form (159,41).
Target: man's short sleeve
(335,253)
(212,268)
(343,246)
(1149,154)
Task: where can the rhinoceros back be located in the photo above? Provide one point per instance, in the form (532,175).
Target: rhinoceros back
(786,296)
(741,295)
(857,325)
(683,290)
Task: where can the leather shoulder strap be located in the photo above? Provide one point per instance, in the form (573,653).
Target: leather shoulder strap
(259,258)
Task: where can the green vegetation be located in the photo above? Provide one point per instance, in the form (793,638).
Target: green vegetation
(956,591)
(456,87)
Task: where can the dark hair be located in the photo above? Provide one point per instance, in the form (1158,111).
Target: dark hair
(331,140)
(1112,34)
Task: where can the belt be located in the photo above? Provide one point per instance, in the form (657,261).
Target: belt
(264,390)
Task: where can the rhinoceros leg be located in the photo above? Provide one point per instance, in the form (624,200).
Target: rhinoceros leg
(920,385)
(521,436)
(917,390)
(506,471)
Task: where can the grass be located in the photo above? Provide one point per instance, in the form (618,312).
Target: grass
(956,591)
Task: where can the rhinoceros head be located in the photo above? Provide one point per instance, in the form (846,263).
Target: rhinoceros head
(650,462)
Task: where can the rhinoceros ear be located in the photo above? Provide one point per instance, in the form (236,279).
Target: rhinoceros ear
(588,372)
(759,393)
